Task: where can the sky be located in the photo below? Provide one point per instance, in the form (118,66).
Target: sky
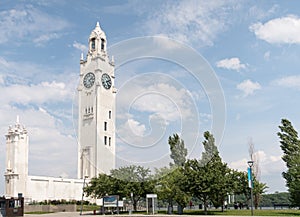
(227,66)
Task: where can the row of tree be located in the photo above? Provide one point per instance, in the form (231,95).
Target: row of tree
(268,200)
(208,179)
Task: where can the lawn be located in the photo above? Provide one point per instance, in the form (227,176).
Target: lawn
(245,212)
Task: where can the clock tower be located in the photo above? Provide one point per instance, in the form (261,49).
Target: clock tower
(96,109)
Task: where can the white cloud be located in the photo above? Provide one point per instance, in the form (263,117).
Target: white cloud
(267,164)
(1,80)
(18,25)
(279,31)
(232,63)
(40,40)
(136,127)
(289,81)
(191,21)
(4,62)
(248,87)
(164,100)
(275,158)
(267,55)
(83,48)
(54,84)
(40,93)
(240,165)
(256,12)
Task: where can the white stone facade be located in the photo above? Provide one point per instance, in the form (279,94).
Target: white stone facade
(16,160)
(96,133)
(96,121)
(40,188)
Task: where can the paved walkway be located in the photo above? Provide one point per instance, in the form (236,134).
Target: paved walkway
(89,214)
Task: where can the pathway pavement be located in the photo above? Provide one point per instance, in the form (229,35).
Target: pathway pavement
(89,214)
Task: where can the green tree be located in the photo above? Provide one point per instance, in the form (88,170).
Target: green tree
(220,187)
(198,181)
(168,187)
(210,149)
(100,186)
(239,183)
(178,150)
(290,145)
(207,179)
(259,188)
(212,162)
(135,181)
(268,200)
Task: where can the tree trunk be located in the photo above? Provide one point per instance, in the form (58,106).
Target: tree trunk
(205,207)
(170,207)
(256,200)
(179,209)
(134,205)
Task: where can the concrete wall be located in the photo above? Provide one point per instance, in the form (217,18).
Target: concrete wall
(50,208)
(40,188)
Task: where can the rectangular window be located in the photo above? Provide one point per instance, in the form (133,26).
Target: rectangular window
(105,140)
(109,114)
(93,44)
(105,125)
(109,141)
(102,44)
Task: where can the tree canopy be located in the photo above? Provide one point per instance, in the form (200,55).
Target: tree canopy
(178,150)
(290,145)
(208,179)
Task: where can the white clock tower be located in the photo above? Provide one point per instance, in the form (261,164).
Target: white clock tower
(96,120)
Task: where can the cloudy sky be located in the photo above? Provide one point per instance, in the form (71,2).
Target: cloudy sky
(247,53)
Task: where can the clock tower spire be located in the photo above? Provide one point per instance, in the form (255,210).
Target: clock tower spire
(96,112)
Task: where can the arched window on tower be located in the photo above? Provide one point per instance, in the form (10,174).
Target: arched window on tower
(93,43)
(102,44)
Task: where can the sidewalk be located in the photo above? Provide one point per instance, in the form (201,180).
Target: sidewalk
(89,214)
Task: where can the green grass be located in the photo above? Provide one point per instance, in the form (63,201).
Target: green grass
(38,213)
(88,208)
(245,212)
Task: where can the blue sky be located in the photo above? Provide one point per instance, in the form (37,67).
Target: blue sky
(251,47)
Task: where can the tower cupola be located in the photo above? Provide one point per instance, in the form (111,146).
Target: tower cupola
(97,41)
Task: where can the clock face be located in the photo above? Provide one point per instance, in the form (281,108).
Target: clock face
(106,81)
(89,80)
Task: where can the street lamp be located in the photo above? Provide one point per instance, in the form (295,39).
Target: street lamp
(250,182)
(85,177)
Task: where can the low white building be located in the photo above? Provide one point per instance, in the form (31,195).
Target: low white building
(33,188)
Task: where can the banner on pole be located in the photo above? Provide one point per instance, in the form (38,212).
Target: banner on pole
(250,178)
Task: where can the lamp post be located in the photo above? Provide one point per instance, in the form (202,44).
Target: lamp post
(82,194)
(250,182)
